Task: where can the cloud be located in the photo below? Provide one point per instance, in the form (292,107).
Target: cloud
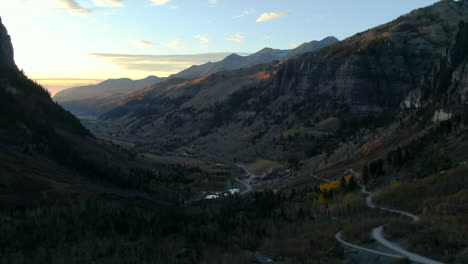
(143,43)
(159,2)
(246,13)
(238,37)
(162,65)
(174,6)
(108,3)
(204,39)
(270,15)
(295,44)
(213,2)
(175,44)
(73,7)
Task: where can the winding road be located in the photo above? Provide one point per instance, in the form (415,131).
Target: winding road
(246,184)
(377,233)
(338,237)
(320,179)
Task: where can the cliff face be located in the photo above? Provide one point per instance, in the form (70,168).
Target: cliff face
(7,63)
(416,59)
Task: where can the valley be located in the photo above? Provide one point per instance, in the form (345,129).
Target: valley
(336,151)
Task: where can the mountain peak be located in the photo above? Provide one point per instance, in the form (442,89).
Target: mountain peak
(331,38)
(233,55)
(265,50)
(152,77)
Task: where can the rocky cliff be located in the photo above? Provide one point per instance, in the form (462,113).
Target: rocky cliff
(7,63)
(416,59)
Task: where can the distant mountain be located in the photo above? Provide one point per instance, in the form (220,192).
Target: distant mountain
(266,55)
(94,99)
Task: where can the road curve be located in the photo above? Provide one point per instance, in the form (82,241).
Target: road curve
(377,233)
(247,185)
(338,237)
(371,204)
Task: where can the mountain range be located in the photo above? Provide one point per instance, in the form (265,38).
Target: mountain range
(93,100)
(415,61)
(266,55)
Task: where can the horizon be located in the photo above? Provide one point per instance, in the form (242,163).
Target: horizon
(125,39)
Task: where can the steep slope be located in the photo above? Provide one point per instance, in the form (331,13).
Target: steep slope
(307,105)
(266,55)
(94,99)
(45,152)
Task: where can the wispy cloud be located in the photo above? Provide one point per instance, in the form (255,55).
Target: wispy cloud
(295,44)
(108,3)
(159,2)
(175,44)
(270,15)
(73,7)
(238,37)
(143,43)
(246,13)
(204,39)
(161,65)
(213,2)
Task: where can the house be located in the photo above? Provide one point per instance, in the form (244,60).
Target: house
(233,191)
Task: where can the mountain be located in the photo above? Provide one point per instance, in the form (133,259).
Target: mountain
(45,152)
(415,61)
(91,100)
(266,55)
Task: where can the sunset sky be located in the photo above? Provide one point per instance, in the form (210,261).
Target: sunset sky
(64,43)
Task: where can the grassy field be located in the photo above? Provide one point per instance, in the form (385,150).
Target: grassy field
(262,166)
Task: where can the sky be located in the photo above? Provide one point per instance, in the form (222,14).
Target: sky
(65,43)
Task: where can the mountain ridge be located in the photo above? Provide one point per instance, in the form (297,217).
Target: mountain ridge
(265,55)
(91,100)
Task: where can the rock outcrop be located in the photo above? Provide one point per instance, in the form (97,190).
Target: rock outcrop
(7,62)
